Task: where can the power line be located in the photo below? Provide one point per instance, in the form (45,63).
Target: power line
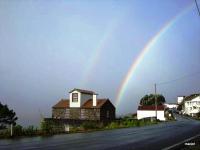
(180,78)
(197,7)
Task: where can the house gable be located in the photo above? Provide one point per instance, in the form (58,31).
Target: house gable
(107,111)
(81,96)
(191,97)
(196,99)
(75,99)
(83,91)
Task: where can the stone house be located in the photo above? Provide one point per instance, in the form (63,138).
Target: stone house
(84,105)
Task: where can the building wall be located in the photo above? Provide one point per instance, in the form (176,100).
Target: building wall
(82,98)
(180,99)
(90,114)
(192,107)
(75,104)
(107,112)
(60,113)
(171,106)
(151,113)
(75,113)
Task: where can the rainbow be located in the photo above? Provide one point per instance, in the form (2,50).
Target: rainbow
(98,50)
(144,51)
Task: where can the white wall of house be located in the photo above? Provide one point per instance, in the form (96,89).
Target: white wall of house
(75,104)
(85,97)
(151,113)
(94,100)
(192,107)
(180,99)
(82,98)
(170,106)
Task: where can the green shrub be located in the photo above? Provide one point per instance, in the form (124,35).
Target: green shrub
(30,130)
(90,125)
(5,133)
(17,130)
(47,127)
(113,125)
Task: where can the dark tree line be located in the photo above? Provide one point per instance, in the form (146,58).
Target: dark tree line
(150,99)
(7,116)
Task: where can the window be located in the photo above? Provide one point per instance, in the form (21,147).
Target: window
(107,114)
(74,97)
(83,116)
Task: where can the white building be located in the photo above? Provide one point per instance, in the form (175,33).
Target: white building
(171,105)
(180,99)
(149,111)
(191,104)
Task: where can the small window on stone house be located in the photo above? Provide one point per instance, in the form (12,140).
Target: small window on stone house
(74,97)
(107,114)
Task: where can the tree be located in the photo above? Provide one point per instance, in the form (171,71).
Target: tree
(150,99)
(7,116)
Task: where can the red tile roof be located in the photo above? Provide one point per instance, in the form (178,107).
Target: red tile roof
(83,91)
(89,103)
(63,103)
(159,107)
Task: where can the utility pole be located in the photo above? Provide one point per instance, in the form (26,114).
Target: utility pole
(11,130)
(197,7)
(155,101)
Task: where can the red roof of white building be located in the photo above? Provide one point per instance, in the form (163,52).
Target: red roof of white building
(159,107)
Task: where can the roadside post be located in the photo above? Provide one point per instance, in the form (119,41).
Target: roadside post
(11,130)
(155,101)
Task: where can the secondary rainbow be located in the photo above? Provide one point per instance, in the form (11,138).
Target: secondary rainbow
(144,51)
(98,50)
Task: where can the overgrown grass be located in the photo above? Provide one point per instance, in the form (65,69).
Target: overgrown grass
(20,131)
(126,123)
(120,123)
(48,128)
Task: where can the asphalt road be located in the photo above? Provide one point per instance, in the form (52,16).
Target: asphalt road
(150,137)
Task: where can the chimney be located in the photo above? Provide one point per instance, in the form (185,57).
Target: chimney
(94,99)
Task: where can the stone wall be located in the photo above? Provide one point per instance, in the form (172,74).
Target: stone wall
(90,114)
(60,113)
(106,113)
(74,113)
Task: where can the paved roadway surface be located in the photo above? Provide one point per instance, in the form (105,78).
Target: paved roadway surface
(150,137)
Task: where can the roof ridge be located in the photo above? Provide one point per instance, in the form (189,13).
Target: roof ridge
(83,91)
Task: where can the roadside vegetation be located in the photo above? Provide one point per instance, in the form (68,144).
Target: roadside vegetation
(9,128)
(125,122)
(48,128)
